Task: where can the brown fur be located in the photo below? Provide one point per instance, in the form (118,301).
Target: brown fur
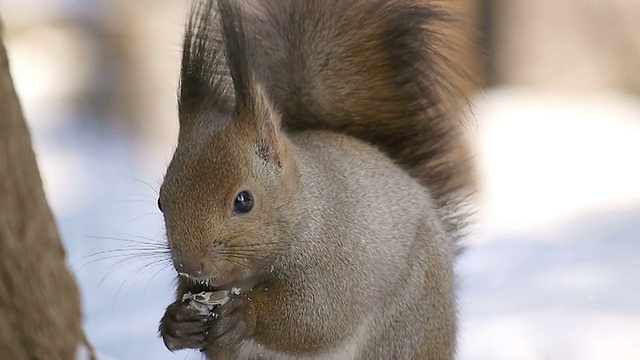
(402,90)
(339,116)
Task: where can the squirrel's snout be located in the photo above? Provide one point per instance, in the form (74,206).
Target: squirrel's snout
(194,268)
(203,271)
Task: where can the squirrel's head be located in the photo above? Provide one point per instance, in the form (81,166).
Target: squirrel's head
(228,193)
(227,196)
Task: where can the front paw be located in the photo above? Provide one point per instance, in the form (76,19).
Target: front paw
(235,322)
(183,327)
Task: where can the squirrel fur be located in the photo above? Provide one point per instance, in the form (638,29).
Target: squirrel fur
(321,168)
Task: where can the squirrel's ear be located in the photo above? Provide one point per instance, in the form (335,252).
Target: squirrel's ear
(252,105)
(204,75)
(258,114)
(248,98)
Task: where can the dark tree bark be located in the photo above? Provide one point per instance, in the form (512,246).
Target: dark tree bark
(40,313)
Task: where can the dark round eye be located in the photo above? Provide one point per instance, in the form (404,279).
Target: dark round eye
(160,206)
(243,203)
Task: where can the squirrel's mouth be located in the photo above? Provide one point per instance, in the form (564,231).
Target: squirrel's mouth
(196,284)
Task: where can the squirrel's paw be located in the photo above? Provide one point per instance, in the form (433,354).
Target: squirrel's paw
(235,323)
(183,327)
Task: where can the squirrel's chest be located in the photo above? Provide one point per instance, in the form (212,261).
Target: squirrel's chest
(250,350)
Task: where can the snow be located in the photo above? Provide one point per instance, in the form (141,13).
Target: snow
(551,272)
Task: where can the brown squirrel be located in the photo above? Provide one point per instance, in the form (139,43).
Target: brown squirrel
(321,168)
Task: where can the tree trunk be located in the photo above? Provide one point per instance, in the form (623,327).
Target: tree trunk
(40,314)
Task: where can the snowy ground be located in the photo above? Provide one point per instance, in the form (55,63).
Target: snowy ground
(553,271)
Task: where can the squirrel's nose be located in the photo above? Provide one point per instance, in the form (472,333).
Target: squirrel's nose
(191,267)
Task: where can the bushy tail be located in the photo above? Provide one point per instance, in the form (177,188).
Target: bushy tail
(379,70)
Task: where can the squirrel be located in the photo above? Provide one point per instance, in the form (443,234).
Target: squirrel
(323,171)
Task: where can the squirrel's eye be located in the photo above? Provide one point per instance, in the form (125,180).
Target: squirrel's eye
(160,206)
(243,203)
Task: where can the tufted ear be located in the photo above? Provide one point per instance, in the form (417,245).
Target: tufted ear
(251,102)
(216,76)
(205,85)
(253,107)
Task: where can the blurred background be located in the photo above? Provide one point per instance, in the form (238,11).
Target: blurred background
(553,266)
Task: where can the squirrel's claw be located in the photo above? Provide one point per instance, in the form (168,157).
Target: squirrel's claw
(235,323)
(182,327)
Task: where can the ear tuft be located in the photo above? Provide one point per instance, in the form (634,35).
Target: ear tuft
(204,77)
(238,57)
(252,103)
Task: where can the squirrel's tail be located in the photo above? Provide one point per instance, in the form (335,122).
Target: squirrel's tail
(382,71)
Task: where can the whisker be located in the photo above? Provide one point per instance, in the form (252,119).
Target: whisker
(147,238)
(150,241)
(120,289)
(130,201)
(110,272)
(152,198)
(120,263)
(138,250)
(230,260)
(142,256)
(229,244)
(142,182)
(253,249)
(237,255)
(164,267)
(140,217)
(140,271)
(110,269)
(143,269)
